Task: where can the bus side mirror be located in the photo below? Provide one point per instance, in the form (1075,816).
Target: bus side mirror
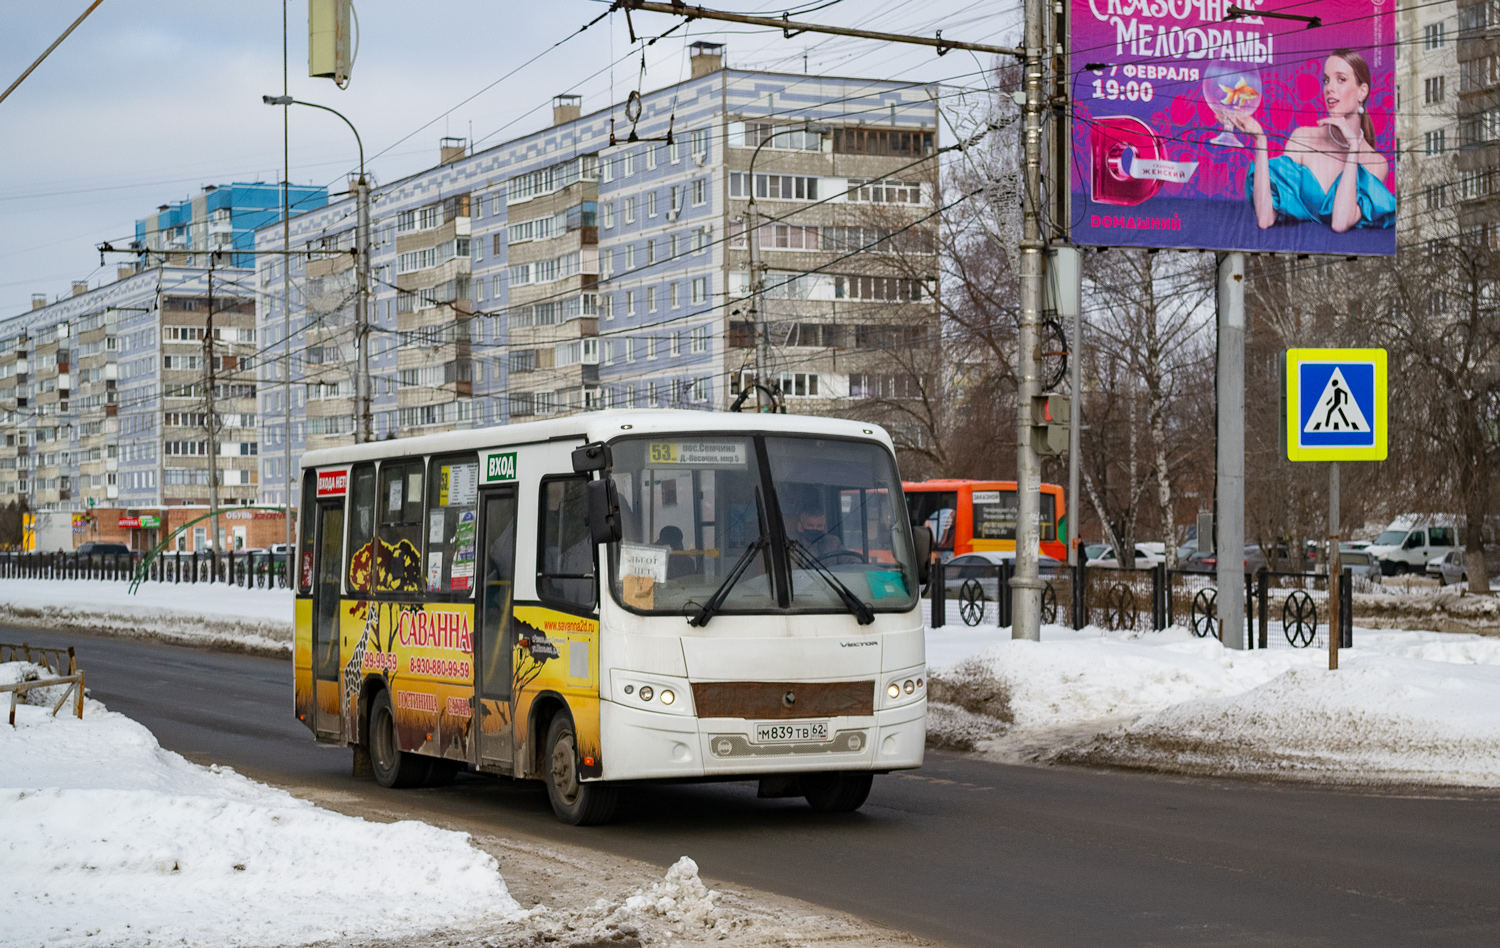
(595,456)
(921,537)
(604,511)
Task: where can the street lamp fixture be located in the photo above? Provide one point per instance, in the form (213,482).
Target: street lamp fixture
(364,429)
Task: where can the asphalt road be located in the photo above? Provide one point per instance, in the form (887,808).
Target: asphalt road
(962,851)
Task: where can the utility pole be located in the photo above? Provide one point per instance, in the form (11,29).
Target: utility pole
(1026,584)
(757,315)
(211,421)
(365,426)
(1230,478)
(286,296)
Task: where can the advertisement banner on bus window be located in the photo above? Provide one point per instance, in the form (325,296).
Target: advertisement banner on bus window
(1193,130)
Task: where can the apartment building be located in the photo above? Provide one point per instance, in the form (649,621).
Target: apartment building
(1428,90)
(595,264)
(1478,187)
(222,218)
(104,394)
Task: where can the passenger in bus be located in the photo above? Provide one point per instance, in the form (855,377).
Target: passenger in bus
(678,565)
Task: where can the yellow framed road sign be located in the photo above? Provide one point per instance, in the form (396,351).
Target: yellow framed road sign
(1335,405)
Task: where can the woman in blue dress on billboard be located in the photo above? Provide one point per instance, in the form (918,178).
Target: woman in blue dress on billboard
(1329,172)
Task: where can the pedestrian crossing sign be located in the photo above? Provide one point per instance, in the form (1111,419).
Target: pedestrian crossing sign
(1335,405)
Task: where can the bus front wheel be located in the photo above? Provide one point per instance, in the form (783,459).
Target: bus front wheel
(393,767)
(573,801)
(837,792)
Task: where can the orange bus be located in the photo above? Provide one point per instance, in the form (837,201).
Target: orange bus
(978,516)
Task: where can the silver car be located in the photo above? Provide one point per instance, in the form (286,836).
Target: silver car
(982,567)
(1448,569)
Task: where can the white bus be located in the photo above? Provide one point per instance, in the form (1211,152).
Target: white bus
(616,596)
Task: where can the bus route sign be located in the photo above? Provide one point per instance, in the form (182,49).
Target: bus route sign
(1335,405)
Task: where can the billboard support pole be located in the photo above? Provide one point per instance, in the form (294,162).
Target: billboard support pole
(1230,477)
(1026,584)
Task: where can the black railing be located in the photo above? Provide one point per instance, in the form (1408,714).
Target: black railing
(248,569)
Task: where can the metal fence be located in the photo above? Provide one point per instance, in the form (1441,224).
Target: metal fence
(1282,610)
(249,569)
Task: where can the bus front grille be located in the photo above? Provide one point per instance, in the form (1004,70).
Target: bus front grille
(777,700)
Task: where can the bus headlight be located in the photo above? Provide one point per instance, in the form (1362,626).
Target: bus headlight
(908,687)
(667,697)
(646,692)
(894,690)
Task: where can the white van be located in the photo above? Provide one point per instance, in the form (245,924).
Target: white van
(1410,541)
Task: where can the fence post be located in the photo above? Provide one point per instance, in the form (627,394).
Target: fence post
(1249,606)
(1263,597)
(937,593)
(1080,594)
(1346,609)
(1158,613)
(1002,593)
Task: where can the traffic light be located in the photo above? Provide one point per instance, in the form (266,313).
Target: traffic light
(1049,424)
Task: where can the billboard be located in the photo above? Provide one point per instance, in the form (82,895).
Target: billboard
(1198,124)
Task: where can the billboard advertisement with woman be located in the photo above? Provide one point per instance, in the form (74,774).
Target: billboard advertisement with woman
(1202,124)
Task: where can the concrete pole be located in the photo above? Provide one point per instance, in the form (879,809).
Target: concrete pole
(1026,584)
(1231,450)
(1335,567)
(1065,277)
(211,416)
(286,296)
(757,316)
(364,428)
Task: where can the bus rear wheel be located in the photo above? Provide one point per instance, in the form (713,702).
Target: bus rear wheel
(573,801)
(837,792)
(393,767)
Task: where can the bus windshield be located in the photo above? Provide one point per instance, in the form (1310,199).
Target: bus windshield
(696,509)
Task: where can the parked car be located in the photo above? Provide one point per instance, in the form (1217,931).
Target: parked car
(1360,563)
(1256,559)
(981,567)
(1147,556)
(1411,542)
(100,547)
(1448,569)
(1200,563)
(1353,546)
(1094,550)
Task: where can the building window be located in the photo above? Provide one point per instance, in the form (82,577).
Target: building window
(1435,141)
(699,339)
(650,252)
(774,187)
(650,157)
(653,347)
(1432,36)
(698,143)
(700,191)
(650,203)
(700,289)
(627,165)
(1432,90)
(676,338)
(608,214)
(674,295)
(675,150)
(650,299)
(607,306)
(630,302)
(630,210)
(630,256)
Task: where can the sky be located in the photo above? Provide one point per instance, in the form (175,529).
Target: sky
(147,102)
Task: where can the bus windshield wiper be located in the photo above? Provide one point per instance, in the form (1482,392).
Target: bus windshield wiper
(716,602)
(808,561)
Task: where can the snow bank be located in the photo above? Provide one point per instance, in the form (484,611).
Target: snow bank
(106,839)
(228,617)
(1408,707)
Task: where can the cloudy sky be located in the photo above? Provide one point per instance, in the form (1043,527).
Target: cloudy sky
(149,100)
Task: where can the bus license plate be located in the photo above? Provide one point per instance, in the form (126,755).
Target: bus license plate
(791,733)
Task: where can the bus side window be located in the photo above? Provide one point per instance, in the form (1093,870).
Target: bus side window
(398,559)
(361,527)
(1048,518)
(452,487)
(306,533)
(565,564)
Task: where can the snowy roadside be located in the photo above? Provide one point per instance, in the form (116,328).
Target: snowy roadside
(1405,708)
(211,615)
(107,839)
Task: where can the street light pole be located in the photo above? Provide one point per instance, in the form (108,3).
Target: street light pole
(1026,584)
(364,426)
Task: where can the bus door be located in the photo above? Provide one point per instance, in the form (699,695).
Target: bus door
(328,722)
(495,646)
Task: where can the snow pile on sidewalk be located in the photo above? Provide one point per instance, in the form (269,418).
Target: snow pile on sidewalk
(679,907)
(106,839)
(1404,707)
(227,617)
